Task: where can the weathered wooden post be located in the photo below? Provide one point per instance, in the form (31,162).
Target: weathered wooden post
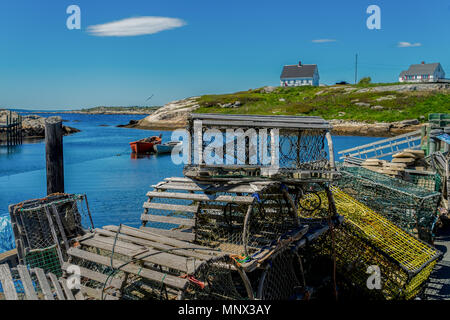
(54,155)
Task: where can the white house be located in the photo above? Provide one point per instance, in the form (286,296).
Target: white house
(424,72)
(300,75)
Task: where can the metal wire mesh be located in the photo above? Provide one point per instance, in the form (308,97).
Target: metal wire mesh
(410,207)
(245,229)
(283,277)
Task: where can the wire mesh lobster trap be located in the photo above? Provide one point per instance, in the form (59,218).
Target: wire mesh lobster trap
(412,208)
(43,229)
(277,147)
(368,239)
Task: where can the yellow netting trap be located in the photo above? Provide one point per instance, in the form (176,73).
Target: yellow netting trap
(367,240)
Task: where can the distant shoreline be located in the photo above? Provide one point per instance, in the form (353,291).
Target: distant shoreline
(107,111)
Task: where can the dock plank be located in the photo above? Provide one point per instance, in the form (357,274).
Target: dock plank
(67,291)
(43,283)
(7,283)
(56,285)
(27,283)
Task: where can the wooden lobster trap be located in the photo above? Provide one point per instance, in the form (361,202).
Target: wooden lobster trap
(44,228)
(283,148)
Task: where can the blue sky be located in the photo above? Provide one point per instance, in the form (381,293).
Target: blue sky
(223,46)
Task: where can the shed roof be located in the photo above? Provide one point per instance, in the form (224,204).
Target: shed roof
(296,71)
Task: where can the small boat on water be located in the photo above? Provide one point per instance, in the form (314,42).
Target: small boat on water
(145,145)
(166,147)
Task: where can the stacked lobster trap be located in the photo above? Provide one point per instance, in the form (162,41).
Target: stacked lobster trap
(256,216)
(229,229)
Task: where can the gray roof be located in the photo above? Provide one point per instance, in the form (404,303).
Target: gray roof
(296,71)
(418,69)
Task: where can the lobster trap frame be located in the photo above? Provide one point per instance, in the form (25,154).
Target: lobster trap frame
(283,148)
(44,229)
(367,239)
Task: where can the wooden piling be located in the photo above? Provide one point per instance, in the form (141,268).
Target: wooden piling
(54,155)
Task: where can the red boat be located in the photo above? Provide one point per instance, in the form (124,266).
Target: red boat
(145,145)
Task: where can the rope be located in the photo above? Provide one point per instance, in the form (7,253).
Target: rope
(239,259)
(193,280)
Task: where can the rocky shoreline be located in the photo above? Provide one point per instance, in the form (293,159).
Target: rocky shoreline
(174,115)
(33,126)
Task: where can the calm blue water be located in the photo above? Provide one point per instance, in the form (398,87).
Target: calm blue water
(98,163)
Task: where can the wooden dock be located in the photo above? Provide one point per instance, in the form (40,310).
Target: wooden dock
(383,148)
(13,130)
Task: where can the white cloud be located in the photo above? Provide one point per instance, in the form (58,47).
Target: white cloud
(135,26)
(408,44)
(323,40)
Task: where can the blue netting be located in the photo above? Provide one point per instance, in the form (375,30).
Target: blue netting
(6,235)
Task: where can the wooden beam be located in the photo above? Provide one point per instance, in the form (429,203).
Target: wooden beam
(201,197)
(54,155)
(167,219)
(170,207)
(174,234)
(169,280)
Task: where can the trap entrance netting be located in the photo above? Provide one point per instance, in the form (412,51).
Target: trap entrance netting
(44,227)
(368,239)
(410,207)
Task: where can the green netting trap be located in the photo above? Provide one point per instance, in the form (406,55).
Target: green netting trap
(46,259)
(44,228)
(412,208)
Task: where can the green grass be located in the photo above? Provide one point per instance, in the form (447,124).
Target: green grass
(332,103)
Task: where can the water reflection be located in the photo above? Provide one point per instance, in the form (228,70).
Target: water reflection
(136,156)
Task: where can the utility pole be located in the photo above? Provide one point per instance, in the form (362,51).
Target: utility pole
(356,69)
